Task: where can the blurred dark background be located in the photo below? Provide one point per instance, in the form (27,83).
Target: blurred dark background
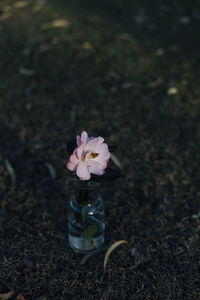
(125,70)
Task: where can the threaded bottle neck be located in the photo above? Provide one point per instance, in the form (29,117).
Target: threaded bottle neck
(85,191)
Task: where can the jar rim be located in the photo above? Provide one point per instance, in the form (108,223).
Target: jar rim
(85,185)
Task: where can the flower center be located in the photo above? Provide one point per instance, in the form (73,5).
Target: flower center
(91,156)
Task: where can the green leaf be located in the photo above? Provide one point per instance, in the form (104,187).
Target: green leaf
(109,175)
(84,213)
(90,231)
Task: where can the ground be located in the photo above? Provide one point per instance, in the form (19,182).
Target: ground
(128,71)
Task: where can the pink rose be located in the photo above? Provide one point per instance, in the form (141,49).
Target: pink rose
(90,156)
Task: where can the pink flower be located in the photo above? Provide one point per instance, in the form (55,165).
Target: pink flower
(90,156)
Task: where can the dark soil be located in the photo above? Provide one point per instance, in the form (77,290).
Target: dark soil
(128,71)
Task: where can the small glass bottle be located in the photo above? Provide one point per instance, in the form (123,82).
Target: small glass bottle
(86,218)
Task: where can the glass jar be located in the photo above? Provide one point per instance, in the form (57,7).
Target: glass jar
(86,218)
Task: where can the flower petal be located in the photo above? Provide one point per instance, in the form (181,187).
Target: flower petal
(82,171)
(79,151)
(103,151)
(103,148)
(102,160)
(91,138)
(84,137)
(95,168)
(71,166)
(78,140)
(93,144)
(74,159)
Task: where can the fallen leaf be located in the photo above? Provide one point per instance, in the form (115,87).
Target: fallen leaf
(114,74)
(10,171)
(5,16)
(51,170)
(138,259)
(38,6)
(127,85)
(124,36)
(141,17)
(20,4)
(155,83)
(6,8)
(93,252)
(58,23)
(184,20)
(6,296)
(43,48)
(172,90)
(110,250)
(115,160)
(20,297)
(84,46)
(26,72)
(160,51)
(196,216)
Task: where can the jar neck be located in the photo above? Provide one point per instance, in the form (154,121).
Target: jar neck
(85,191)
